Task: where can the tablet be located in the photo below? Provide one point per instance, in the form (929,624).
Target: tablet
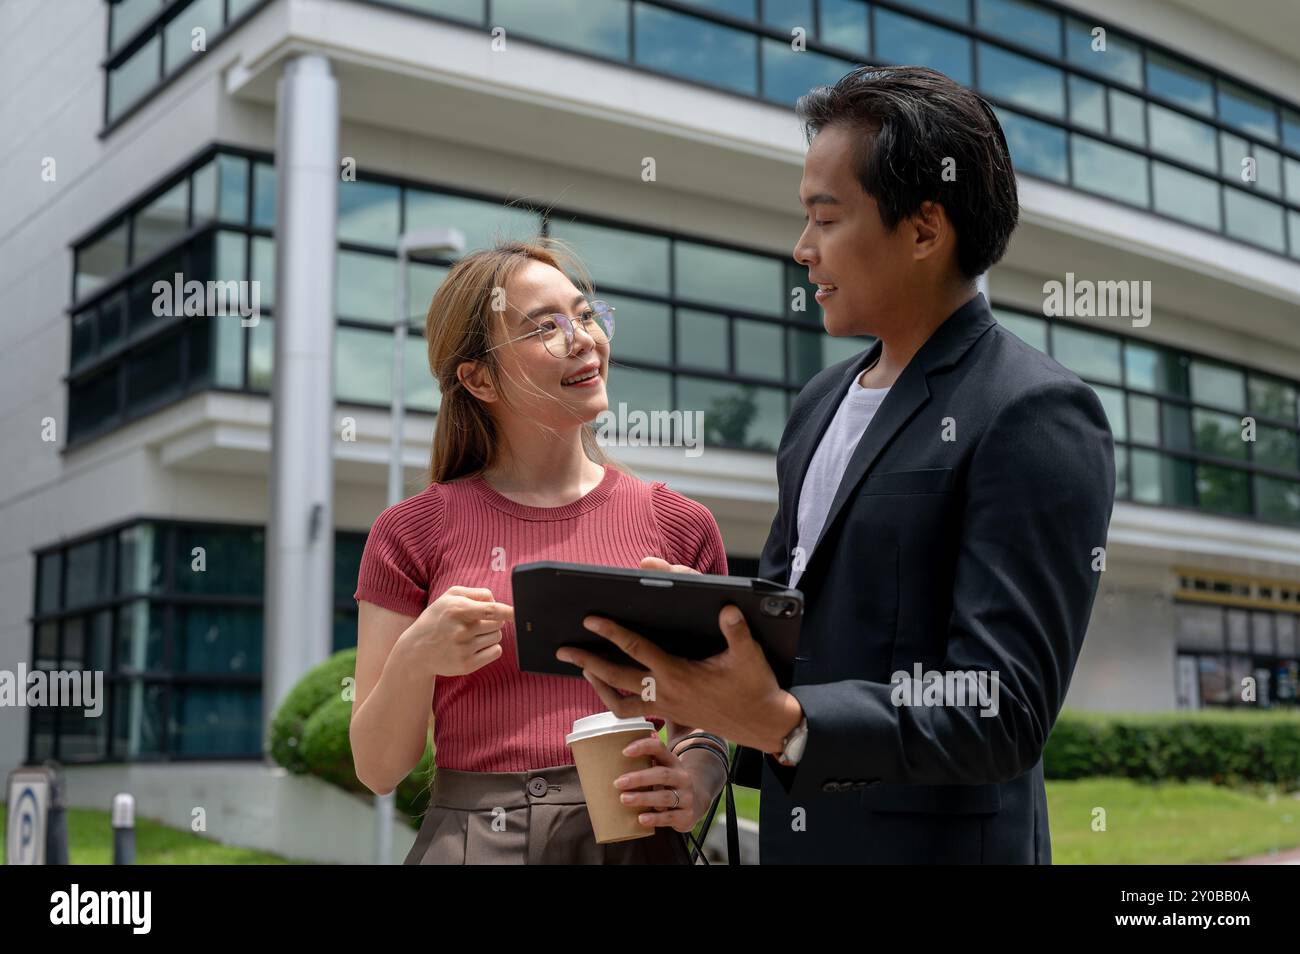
(676,611)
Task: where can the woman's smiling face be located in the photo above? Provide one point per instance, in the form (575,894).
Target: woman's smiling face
(552,390)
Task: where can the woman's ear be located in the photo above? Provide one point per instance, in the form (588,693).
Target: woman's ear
(474,378)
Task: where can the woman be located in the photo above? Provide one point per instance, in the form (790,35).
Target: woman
(521,356)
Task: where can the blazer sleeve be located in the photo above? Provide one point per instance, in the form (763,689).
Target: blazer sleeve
(1038,499)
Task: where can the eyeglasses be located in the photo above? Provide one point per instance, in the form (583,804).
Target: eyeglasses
(556,331)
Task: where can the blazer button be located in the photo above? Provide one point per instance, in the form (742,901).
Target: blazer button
(830,786)
(537,786)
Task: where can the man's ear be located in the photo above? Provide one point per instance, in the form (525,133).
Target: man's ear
(474,378)
(931,231)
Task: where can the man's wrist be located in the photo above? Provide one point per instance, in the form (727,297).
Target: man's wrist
(790,715)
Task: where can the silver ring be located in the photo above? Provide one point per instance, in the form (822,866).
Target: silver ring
(677,800)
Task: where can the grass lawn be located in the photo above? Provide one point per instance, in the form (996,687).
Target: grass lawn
(1165,823)
(90,841)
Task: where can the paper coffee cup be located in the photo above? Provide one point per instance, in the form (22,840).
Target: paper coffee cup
(597,743)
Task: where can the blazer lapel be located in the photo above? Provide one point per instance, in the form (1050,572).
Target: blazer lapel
(908,395)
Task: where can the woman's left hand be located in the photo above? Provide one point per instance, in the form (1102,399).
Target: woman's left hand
(651,790)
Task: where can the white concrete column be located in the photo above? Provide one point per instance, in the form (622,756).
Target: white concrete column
(300,532)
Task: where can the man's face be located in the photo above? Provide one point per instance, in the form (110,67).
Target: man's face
(864,269)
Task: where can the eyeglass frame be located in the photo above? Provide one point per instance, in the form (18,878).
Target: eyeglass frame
(562,322)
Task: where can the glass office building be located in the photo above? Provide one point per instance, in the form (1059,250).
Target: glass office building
(1160,144)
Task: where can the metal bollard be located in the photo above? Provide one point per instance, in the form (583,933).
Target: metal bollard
(123,829)
(56,833)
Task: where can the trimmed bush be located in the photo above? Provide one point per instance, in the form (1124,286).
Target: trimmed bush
(1226,746)
(309,736)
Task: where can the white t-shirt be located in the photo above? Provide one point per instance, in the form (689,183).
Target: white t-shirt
(828,464)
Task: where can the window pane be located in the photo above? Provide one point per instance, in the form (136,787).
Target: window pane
(1150,368)
(232,176)
(701,339)
(811,351)
(101,260)
(225,640)
(261,354)
(1126,118)
(1217,385)
(1182,195)
(218,720)
(1291,128)
(1121,473)
(137,719)
(1032,331)
(161,222)
(907,41)
(1218,434)
(1253,219)
(179,41)
(87,579)
(49,574)
(1268,169)
(366,286)
(1159,478)
(1182,137)
(1199,627)
(758,349)
(1143,419)
(112,319)
(154,374)
(363,366)
(1176,422)
(732,279)
(264,269)
(421,389)
(949,9)
(484,223)
(1112,401)
(591,27)
(81,736)
(128,82)
(1020,80)
(1114,173)
(696,49)
(204,185)
(226,337)
(1247,111)
(788,74)
(788,14)
(1273,396)
(844,24)
(263,195)
(1222,489)
(735,415)
(638,390)
(1277,499)
(1293,225)
(1087,103)
(1173,79)
(1087,354)
(93,403)
(83,336)
(617,256)
(368,213)
(1025,23)
(423,281)
(141,569)
(1276,447)
(640,331)
(1121,59)
(1036,147)
(139,638)
(128,16)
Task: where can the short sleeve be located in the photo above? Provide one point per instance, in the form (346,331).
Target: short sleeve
(399,557)
(690,533)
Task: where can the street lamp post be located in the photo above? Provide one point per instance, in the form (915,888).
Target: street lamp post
(448,243)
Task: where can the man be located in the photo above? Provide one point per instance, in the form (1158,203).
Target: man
(943,501)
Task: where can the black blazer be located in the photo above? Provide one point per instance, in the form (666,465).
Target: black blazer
(962,538)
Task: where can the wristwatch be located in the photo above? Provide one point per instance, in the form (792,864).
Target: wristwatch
(793,744)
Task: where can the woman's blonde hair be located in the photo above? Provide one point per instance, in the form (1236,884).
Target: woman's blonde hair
(459,327)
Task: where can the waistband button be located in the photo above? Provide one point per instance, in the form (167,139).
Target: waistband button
(537,786)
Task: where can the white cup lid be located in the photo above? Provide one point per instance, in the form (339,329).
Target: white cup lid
(603,723)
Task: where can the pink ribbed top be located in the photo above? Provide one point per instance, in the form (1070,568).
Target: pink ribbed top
(499,719)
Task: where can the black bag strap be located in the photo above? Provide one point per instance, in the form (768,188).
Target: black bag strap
(733,827)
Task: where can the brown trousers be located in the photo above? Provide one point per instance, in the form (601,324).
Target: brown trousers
(518,818)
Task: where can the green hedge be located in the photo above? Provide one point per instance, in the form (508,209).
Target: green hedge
(1225,746)
(309,735)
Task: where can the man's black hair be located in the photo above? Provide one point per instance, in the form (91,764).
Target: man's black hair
(911,119)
